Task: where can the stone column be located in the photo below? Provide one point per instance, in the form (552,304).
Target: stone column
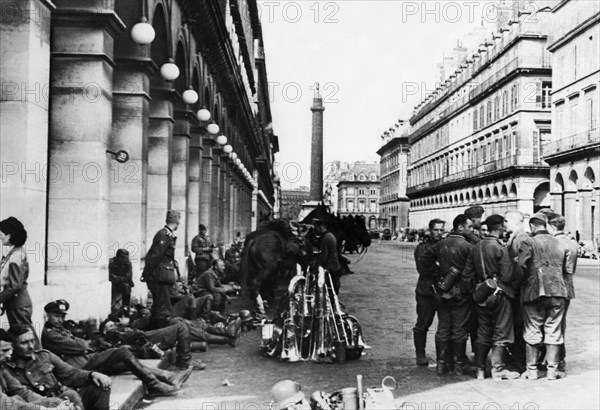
(24,98)
(215,197)
(557,202)
(571,212)
(227,203)
(223,198)
(206,185)
(128,185)
(160,131)
(596,216)
(179,180)
(585,197)
(80,131)
(194,186)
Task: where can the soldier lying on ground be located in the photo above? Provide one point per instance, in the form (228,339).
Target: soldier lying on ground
(199,330)
(102,357)
(46,374)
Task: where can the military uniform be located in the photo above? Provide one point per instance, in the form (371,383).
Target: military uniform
(120,275)
(49,376)
(11,387)
(454,307)
(426,303)
(159,274)
(202,247)
(490,260)
(543,293)
(209,283)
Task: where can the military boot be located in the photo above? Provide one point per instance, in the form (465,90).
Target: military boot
(199,346)
(154,386)
(481,352)
(532,355)
(553,358)
(499,370)
(441,351)
(420,340)
(562,365)
(220,339)
(164,376)
(461,361)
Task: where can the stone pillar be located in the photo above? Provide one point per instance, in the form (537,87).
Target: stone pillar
(570,212)
(194,187)
(223,198)
(80,131)
(160,131)
(585,230)
(227,203)
(215,197)
(128,185)
(316,153)
(179,180)
(24,97)
(206,185)
(557,202)
(596,216)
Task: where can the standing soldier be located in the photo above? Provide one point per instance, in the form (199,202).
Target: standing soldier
(159,272)
(120,275)
(203,248)
(490,260)
(557,225)
(445,262)
(543,293)
(426,303)
(475,214)
(513,222)
(328,256)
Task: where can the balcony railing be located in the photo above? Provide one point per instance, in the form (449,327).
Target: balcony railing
(576,141)
(467,174)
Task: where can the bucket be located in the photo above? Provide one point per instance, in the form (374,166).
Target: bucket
(267,332)
(350,398)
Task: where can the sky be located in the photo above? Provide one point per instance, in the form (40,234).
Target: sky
(374,60)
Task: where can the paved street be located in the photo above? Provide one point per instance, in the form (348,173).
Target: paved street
(387,271)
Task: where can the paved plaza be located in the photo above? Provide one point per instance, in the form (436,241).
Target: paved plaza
(381,295)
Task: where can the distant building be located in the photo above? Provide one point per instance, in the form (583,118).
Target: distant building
(393,202)
(291,199)
(477,139)
(573,151)
(358,192)
(331,177)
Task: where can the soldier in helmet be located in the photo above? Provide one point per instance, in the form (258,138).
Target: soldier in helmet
(120,275)
(159,272)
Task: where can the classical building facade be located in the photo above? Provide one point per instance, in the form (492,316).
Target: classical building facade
(291,201)
(331,177)
(79,87)
(573,152)
(477,138)
(358,192)
(393,202)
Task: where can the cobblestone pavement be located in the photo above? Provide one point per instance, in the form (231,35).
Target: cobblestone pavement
(381,296)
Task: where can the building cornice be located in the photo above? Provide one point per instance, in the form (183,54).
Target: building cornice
(576,30)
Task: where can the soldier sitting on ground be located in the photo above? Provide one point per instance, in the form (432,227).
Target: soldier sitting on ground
(13,394)
(103,358)
(48,375)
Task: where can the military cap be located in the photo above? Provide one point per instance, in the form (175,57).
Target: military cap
(475,211)
(540,216)
(173,216)
(494,220)
(57,306)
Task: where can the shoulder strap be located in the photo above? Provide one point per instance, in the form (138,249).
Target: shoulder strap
(482,261)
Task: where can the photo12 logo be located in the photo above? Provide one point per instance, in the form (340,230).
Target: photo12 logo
(326,12)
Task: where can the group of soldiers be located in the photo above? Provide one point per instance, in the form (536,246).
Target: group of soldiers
(506,289)
(68,367)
